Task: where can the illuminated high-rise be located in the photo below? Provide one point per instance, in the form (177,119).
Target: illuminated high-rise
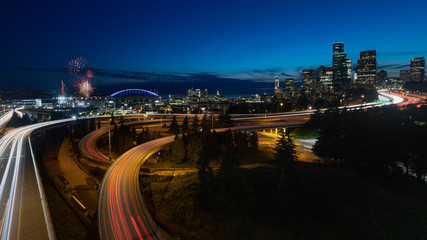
(381,78)
(324,77)
(308,78)
(341,67)
(276,83)
(417,69)
(405,75)
(367,69)
(289,84)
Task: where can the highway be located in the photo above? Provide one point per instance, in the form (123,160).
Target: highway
(24,210)
(122,213)
(88,144)
(5,119)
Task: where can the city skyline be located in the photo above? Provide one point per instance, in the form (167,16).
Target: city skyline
(198,42)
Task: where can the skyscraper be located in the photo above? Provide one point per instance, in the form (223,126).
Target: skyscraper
(381,78)
(341,78)
(324,76)
(276,83)
(367,69)
(308,78)
(405,75)
(417,69)
(289,84)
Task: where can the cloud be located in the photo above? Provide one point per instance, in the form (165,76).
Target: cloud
(109,81)
(394,66)
(405,53)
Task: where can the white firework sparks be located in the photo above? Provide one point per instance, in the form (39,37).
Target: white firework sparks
(85,87)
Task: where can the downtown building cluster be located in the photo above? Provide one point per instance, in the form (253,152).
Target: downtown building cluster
(342,76)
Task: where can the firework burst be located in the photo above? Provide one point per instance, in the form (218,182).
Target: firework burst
(63,93)
(90,74)
(77,65)
(84,87)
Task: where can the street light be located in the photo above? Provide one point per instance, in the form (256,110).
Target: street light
(281,107)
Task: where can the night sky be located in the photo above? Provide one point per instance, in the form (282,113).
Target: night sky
(232,46)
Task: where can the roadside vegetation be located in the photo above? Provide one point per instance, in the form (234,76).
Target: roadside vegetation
(352,198)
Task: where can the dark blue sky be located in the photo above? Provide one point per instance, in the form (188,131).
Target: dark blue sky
(153,43)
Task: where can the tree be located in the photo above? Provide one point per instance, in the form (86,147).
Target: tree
(253,140)
(205,123)
(226,138)
(178,150)
(241,141)
(92,125)
(195,124)
(194,148)
(224,120)
(184,127)
(174,128)
(226,170)
(284,153)
(204,174)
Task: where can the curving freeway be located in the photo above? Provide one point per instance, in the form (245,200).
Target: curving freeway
(121,211)
(4,119)
(24,210)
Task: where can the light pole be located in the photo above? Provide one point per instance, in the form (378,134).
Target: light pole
(109,143)
(281,107)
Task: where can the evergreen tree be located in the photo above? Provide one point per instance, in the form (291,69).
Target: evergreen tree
(241,141)
(204,174)
(205,123)
(184,127)
(226,138)
(226,170)
(178,150)
(253,140)
(174,128)
(285,153)
(194,148)
(92,125)
(195,124)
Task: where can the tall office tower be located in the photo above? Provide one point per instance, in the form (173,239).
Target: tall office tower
(289,84)
(417,69)
(321,71)
(324,76)
(405,75)
(348,64)
(308,78)
(381,77)
(367,69)
(341,78)
(276,83)
(338,47)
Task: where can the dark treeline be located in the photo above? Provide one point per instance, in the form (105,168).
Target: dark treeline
(380,139)
(125,137)
(416,86)
(206,123)
(198,144)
